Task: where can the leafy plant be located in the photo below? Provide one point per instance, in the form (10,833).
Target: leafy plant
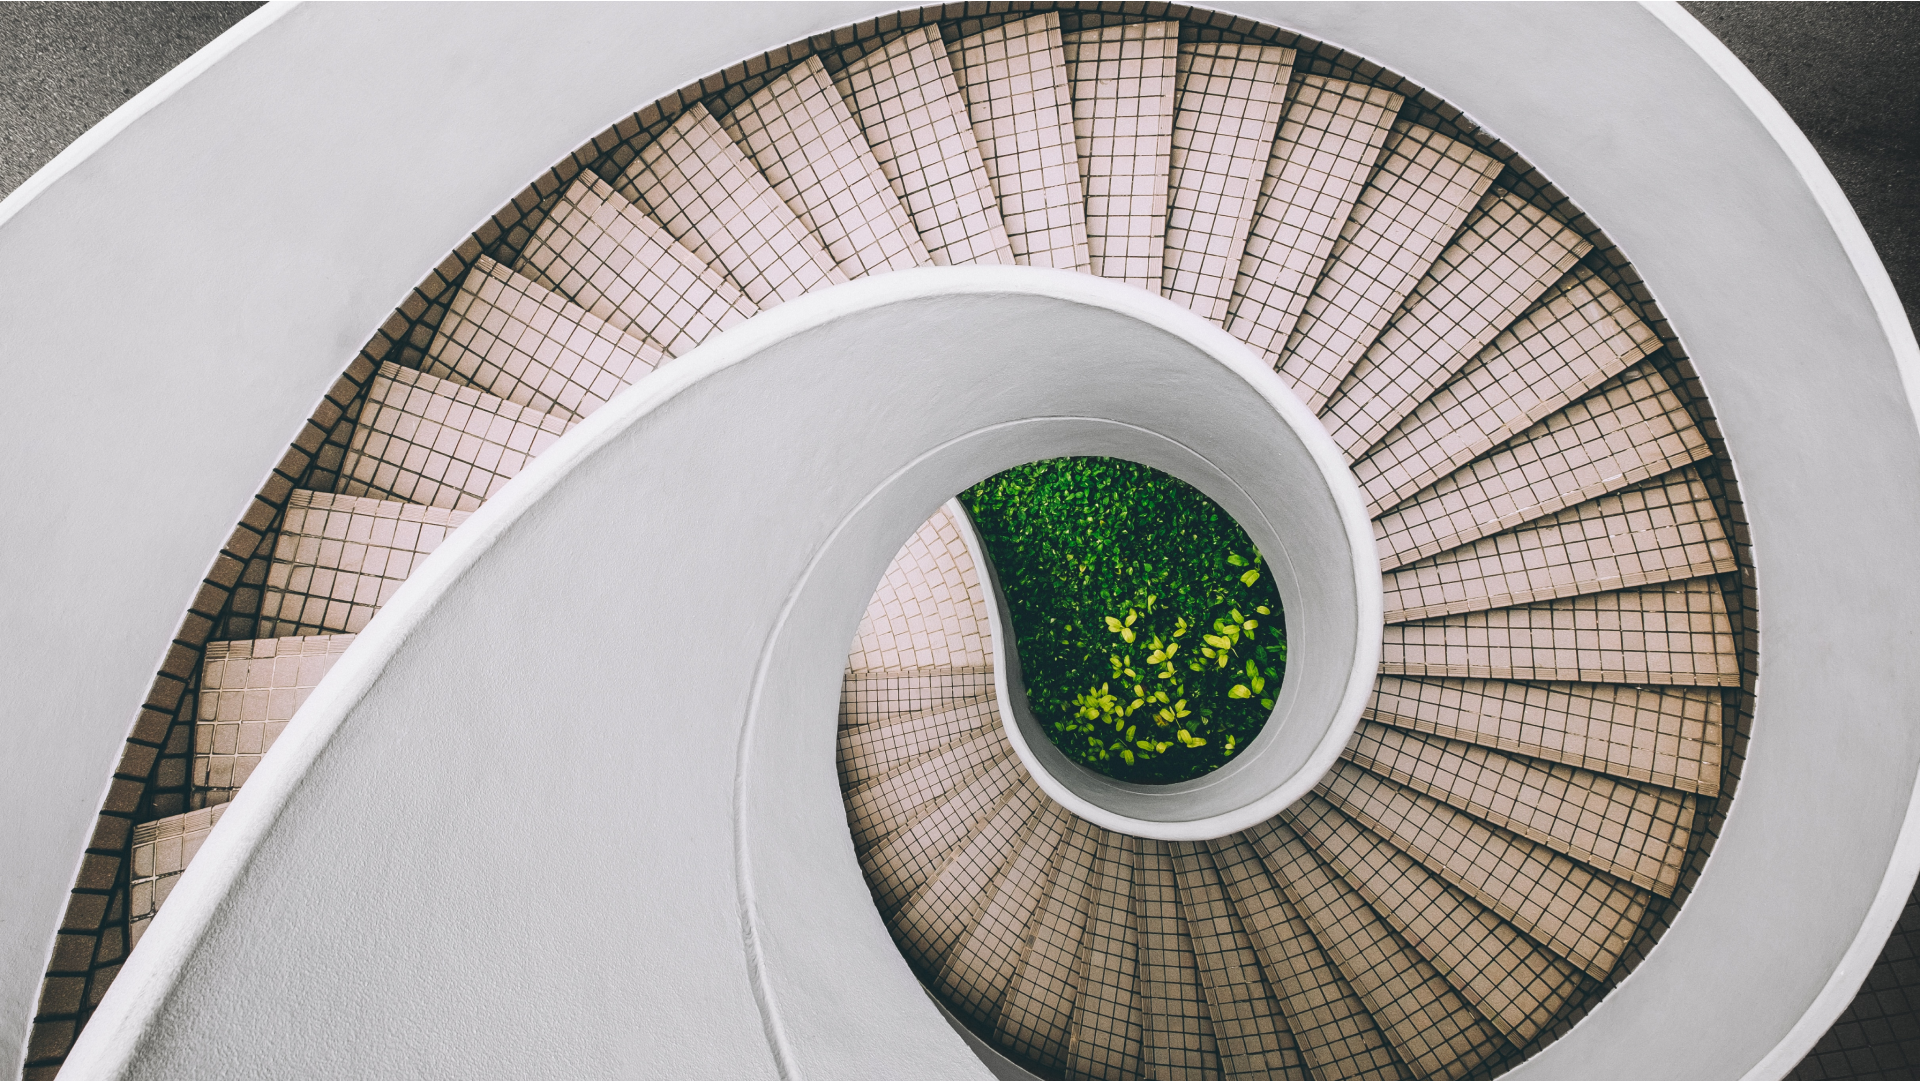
(1150,634)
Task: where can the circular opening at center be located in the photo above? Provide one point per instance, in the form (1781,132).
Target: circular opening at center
(1150,633)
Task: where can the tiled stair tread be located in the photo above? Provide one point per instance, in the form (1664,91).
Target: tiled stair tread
(428,440)
(897,867)
(1632,428)
(1511,981)
(1576,337)
(1330,138)
(976,975)
(1632,831)
(1660,530)
(867,751)
(929,610)
(1229,101)
(880,806)
(248,692)
(1433,1031)
(1337,1034)
(1663,736)
(1106,1025)
(1177,1034)
(1252,1035)
(160,850)
(1034,1016)
(339,557)
(954,899)
(798,131)
(703,189)
(1507,253)
(1014,79)
(1675,633)
(509,336)
(909,107)
(603,252)
(1584,915)
(1123,92)
(1423,189)
(893,696)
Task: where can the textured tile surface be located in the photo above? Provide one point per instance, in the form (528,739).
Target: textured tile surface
(339,557)
(1122,80)
(248,692)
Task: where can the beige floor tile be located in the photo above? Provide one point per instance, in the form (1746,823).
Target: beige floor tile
(1123,101)
(929,611)
(983,966)
(954,901)
(1035,1015)
(897,867)
(338,558)
(248,692)
(1177,1035)
(1253,1037)
(1106,1027)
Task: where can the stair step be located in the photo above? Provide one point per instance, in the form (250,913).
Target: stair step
(881,806)
(1424,188)
(1660,530)
(1014,79)
(1036,1014)
(929,610)
(977,975)
(248,692)
(713,200)
(1254,1041)
(1337,1034)
(1676,633)
(507,335)
(1106,1027)
(909,107)
(1123,98)
(1330,139)
(798,131)
(340,557)
(897,867)
(870,751)
(1434,1032)
(1633,428)
(604,253)
(1177,1034)
(1583,915)
(1629,830)
(881,696)
(1664,736)
(1229,104)
(431,441)
(1578,336)
(160,851)
(1517,985)
(1508,253)
(955,899)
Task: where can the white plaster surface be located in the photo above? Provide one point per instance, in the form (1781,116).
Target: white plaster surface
(212,266)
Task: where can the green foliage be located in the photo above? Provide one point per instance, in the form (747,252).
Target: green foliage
(1150,633)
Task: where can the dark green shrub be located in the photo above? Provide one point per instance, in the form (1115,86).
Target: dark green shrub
(1150,633)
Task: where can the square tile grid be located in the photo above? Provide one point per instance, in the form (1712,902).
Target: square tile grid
(907,103)
(955,899)
(509,336)
(1584,915)
(1106,1022)
(1039,1004)
(1507,254)
(869,751)
(1579,335)
(1424,188)
(1330,139)
(602,252)
(1177,1035)
(1669,736)
(1657,531)
(1677,633)
(807,145)
(888,697)
(161,851)
(929,610)
(339,558)
(248,693)
(1632,428)
(1229,104)
(427,440)
(980,972)
(1122,80)
(703,189)
(880,806)
(1014,79)
(897,867)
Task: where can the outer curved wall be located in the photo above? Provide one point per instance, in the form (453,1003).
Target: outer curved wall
(366,142)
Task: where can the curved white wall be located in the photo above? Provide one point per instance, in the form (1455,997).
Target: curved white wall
(128,319)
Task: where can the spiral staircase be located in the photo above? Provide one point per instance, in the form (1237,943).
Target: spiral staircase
(1568,667)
